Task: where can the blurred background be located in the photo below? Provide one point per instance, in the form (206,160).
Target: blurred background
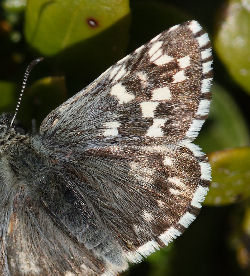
(80,39)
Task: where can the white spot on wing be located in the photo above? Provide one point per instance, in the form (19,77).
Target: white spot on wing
(184,62)
(168,161)
(148,109)
(176,181)
(121,93)
(161,94)
(179,77)
(194,26)
(120,74)
(156,55)
(206,53)
(203,40)
(203,108)
(194,148)
(206,67)
(174,191)
(111,128)
(199,196)
(164,59)
(155,130)
(147,216)
(205,171)
(154,48)
(205,85)
(169,235)
(186,219)
(148,248)
(194,128)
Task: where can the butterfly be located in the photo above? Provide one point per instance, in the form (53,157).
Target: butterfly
(113,174)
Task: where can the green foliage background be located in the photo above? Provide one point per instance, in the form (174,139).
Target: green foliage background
(80,39)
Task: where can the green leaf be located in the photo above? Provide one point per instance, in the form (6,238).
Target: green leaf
(230,176)
(85,61)
(225,127)
(160,262)
(7,95)
(52,26)
(41,97)
(240,235)
(157,264)
(232,41)
(83,38)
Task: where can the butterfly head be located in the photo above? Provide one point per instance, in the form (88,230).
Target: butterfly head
(7,132)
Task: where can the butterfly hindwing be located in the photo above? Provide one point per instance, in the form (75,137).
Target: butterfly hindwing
(98,224)
(166,186)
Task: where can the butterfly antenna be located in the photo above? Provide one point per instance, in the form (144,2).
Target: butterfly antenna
(25,78)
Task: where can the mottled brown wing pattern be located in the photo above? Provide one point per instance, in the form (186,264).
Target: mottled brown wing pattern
(158,189)
(159,93)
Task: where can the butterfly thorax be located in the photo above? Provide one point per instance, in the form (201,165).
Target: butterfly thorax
(9,136)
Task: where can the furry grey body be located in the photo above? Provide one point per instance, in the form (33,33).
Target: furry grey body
(40,179)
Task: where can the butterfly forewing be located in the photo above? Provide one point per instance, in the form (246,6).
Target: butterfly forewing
(122,176)
(159,93)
